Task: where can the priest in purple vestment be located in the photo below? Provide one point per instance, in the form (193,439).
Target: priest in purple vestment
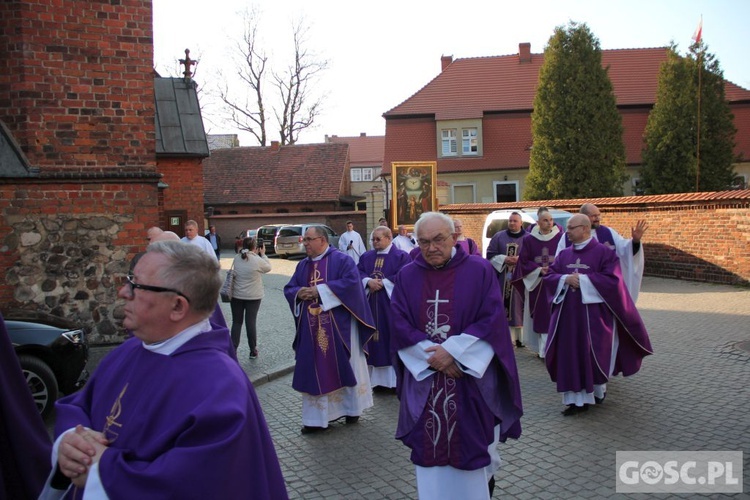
(628,250)
(24,443)
(378,269)
(537,254)
(595,330)
(334,324)
(457,376)
(502,252)
(169,413)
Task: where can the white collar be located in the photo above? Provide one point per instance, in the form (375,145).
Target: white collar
(167,347)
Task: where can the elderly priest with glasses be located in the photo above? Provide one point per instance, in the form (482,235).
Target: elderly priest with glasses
(169,413)
(457,377)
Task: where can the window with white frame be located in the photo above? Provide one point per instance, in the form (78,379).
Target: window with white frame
(450,145)
(363,174)
(469,143)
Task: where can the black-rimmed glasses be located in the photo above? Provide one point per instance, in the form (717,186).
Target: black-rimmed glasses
(151,288)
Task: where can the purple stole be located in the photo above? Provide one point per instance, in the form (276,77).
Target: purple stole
(321,330)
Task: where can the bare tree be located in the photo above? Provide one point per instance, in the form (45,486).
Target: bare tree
(246,116)
(298,108)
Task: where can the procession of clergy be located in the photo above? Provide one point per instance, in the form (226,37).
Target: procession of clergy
(437,322)
(170,413)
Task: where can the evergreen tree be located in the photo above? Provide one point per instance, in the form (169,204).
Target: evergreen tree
(670,154)
(577,131)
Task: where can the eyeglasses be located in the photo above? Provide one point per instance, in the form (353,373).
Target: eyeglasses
(380,239)
(308,239)
(151,288)
(570,228)
(437,241)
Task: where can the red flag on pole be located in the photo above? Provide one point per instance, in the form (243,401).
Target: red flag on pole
(698,32)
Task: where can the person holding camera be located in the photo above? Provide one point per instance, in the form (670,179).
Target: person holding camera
(247,291)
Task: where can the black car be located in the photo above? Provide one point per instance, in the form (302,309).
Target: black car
(53,353)
(268,235)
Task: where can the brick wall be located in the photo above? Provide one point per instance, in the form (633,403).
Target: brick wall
(76,87)
(700,237)
(76,92)
(67,244)
(184,176)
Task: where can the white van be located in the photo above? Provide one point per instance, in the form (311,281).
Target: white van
(498,221)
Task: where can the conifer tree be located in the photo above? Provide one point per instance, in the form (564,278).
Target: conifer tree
(671,152)
(577,149)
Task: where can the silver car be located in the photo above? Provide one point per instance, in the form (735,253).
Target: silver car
(289,239)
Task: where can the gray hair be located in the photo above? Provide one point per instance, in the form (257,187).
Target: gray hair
(321,232)
(426,216)
(383,231)
(192,271)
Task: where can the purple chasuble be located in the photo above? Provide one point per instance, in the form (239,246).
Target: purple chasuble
(534,254)
(25,446)
(382,266)
(579,347)
(502,243)
(469,246)
(322,344)
(450,421)
(185,425)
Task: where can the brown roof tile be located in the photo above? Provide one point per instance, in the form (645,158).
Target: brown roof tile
(300,172)
(470,87)
(363,150)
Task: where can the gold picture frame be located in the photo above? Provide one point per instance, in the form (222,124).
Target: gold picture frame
(413,193)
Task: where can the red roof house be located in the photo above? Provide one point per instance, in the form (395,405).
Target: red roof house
(474,120)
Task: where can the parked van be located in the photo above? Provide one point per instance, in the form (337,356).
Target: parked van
(498,221)
(289,239)
(268,235)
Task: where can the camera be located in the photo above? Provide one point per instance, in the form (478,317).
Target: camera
(260,243)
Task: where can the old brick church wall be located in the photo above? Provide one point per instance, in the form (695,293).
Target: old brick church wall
(76,92)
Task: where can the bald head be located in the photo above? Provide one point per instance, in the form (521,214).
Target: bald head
(592,211)
(152,233)
(579,228)
(166,236)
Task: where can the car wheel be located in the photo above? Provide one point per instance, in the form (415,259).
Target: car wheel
(41,382)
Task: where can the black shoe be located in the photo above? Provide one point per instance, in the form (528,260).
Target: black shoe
(309,429)
(519,344)
(601,399)
(352,420)
(574,410)
(491,485)
(254,354)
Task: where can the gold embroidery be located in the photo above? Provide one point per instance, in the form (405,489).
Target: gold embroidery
(114,414)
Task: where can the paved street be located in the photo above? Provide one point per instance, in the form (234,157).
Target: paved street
(693,394)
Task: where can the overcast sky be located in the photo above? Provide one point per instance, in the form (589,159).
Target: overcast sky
(381,53)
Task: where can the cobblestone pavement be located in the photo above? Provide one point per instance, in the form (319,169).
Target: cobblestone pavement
(692,394)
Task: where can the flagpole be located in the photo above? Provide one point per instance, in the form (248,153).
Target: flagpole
(698,142)
(697,36)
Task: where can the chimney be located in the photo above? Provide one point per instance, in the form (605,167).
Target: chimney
(445,61)
(274,145)
(524,52)
(363,134)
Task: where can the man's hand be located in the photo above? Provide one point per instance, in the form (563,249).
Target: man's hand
(637,232)
(511,260)
(308,293)
(573,280)
(442,361)
(375,284)
(78,451)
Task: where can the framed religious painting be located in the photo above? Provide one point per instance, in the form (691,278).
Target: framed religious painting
(413,191)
